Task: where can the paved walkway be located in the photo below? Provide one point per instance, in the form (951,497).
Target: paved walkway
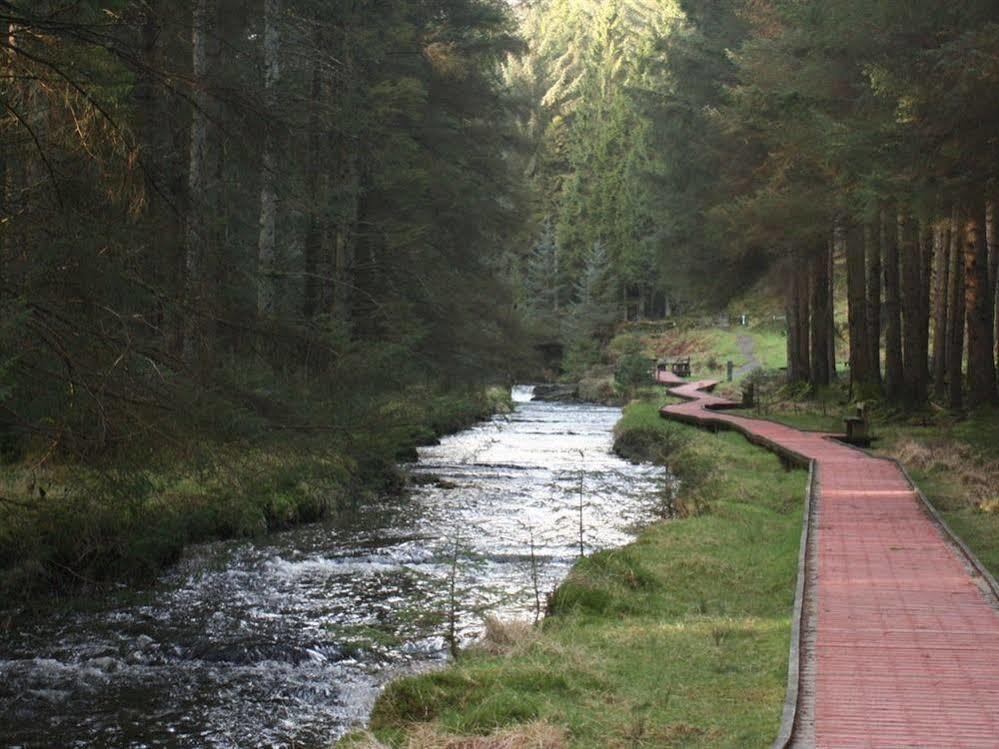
(903,647)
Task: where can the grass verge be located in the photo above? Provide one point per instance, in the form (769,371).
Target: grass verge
(678,639)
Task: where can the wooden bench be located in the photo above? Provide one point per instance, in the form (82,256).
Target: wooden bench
(680,367)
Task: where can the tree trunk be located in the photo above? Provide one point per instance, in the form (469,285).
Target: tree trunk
(345,240)
(892,311)
(791,336)
(197,335)
(872,237)
(941,284)
(820,318)
(267,240)
(5,212)
(831,312)
(927,248)
(856,293)
(792,307)
(955,317)
(915,375)
(978,309)
(317,186)
(992,239)
(802,279)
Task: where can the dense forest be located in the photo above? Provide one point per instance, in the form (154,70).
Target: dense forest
(260,215)
(239,222)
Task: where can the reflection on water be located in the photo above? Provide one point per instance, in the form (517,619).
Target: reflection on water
(285,641)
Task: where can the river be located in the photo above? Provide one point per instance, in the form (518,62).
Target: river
(285,640)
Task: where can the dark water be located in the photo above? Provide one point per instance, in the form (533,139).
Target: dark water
(285,641)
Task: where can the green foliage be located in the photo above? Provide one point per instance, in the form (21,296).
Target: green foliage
(131,334)
(593,313)
(588,71)
(633,370)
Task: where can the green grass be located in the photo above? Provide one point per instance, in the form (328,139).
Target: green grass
(769,343)
(678,639)
(710,349)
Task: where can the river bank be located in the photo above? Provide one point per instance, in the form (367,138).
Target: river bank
(680,637)
(70,528)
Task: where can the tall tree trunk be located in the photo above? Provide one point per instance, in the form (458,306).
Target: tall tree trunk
(914,370)
(197,336)
(872,240)
(267,240)
(955,317)
(318,190)
(831,311)
(791,337)
(927,248)
(892,311)
(792,308)
(803,280)
(941,285)
(820,317)
(5,212)
(345,239)
(992,239)
(978,309)
(164,171)
(856,294)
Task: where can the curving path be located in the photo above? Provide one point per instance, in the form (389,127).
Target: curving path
(900,633)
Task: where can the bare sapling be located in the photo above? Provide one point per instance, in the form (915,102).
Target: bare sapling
(452,597)
(582,527)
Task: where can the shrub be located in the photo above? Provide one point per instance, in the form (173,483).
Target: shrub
(633,370)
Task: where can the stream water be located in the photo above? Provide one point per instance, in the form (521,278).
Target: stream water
(284,641)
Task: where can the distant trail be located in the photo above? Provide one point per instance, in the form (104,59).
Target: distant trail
(898,643)
(747,346)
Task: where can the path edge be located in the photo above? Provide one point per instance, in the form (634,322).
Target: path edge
(970,557)
(796,655)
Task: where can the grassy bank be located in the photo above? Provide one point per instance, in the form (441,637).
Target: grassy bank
(64,526)
(678,639)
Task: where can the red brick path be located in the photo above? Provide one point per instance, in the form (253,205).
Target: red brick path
(906,635)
